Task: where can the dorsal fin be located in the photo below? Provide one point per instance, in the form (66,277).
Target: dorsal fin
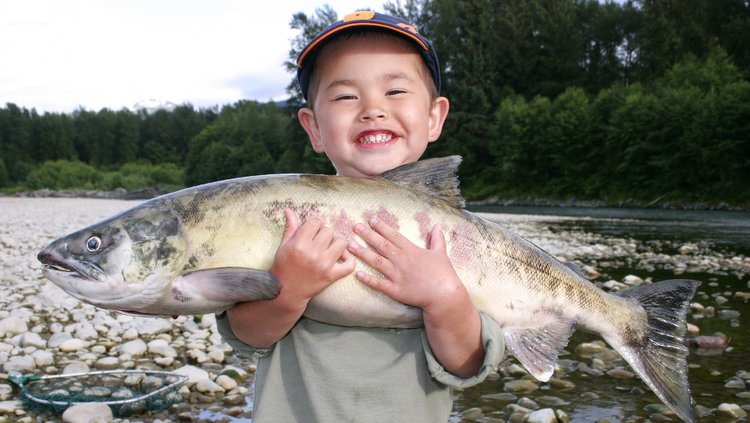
(437,177)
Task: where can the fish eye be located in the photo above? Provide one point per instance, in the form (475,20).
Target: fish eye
(93,243)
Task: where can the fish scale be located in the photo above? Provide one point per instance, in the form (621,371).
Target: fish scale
(205,248)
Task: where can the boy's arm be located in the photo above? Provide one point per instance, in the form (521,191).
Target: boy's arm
(309,258)
(425,278)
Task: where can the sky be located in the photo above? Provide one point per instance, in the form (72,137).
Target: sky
(63,55)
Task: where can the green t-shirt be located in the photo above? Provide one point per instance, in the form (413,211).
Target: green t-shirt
(325,373)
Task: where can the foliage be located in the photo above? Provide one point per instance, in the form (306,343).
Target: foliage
(67,174)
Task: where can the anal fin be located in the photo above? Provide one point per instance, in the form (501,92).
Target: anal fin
(538,348)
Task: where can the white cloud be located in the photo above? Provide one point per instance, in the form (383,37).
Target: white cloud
(58,55)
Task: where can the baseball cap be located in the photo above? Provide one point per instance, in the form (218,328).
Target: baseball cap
(366,19)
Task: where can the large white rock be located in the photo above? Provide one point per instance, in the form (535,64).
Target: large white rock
(193,373)
(13,325)
(133,348)
(90,412)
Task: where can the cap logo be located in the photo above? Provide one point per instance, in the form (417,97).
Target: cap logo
(409,28)
(361,15)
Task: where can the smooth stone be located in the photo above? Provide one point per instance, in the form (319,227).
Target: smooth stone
(161,347)
(133,348)
(732,411)
(621,373)
(73,345)
(10,407)
(193,373)
(149,327)
(13,325)
(207,386)
(545,415)
(523,385)
(56,339)
(19,364)
(43,358)
(107,363)
(31,339)
(226,382)
(90,412)
(76,367)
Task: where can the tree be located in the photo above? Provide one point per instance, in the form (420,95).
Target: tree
(309,27)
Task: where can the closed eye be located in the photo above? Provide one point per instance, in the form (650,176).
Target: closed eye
(396,91)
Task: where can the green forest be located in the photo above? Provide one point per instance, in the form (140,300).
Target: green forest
(637,102)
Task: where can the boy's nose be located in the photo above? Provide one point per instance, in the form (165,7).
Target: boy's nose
(372,110)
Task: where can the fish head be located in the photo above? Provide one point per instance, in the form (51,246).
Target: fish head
(124,259)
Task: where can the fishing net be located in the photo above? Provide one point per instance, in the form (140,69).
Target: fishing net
(126,392)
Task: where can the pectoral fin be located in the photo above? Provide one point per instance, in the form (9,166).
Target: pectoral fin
(537,349)
(231,284)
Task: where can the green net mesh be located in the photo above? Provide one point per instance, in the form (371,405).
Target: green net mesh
(126,392)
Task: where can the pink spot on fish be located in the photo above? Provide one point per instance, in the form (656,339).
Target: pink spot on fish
(425,226)
(344,225)
(383,215)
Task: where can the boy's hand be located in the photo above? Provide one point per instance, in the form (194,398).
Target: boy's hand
(309,258)
(420,277)
(425,278)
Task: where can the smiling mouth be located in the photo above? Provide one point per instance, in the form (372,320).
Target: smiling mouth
(376,138)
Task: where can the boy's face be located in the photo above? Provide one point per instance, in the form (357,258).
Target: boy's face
(372,110)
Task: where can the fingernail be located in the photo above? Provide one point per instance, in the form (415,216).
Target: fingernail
(358,228)
(373,221)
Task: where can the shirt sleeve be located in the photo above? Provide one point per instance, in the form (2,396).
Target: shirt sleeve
(222,324)
(494,351)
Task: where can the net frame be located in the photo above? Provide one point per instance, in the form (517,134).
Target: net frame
(155,400)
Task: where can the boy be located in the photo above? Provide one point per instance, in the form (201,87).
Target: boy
(372,84)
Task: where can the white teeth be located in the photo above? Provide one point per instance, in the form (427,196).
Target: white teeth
(375,138)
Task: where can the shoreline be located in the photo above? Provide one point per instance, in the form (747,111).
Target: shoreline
(658,204)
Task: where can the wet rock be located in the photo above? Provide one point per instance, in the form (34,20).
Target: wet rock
(730,411)
(208,386)
(620,373)
(472,414)
(589,348)
(632,280)
(545,415)
(561,384)
(517,386)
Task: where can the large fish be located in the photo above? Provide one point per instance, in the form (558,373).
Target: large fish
(204,248)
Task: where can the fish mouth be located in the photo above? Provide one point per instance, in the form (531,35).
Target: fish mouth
(54,264)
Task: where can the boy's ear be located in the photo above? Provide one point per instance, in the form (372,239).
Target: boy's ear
(307,119)
(438,113)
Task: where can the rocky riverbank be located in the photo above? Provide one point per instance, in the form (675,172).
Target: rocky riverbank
(45,331)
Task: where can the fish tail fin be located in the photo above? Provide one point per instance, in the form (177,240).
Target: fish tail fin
(660,356)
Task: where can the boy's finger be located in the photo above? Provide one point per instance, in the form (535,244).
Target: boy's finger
(379,284)
(292,223)
(387,231)
(370,257)
(377,241)
(437,238)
